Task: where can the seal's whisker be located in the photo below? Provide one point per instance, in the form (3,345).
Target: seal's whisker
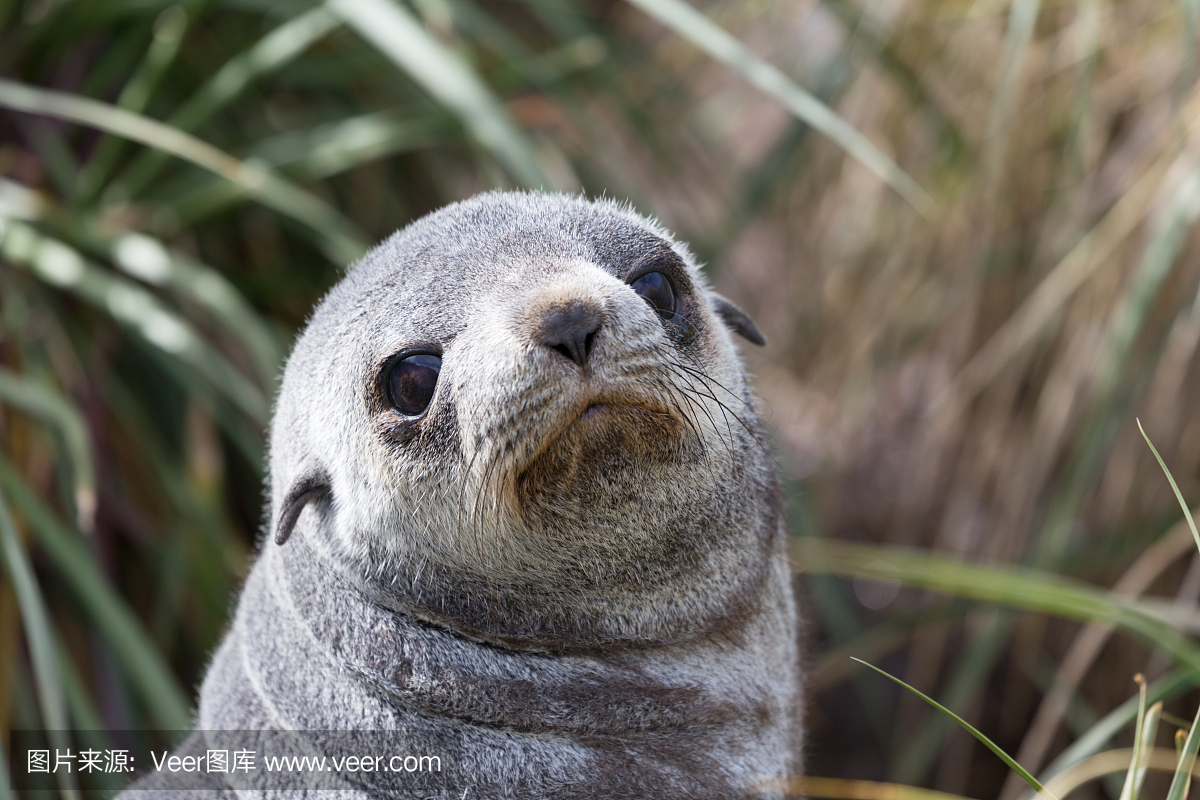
(459,507)
(676,393)
(478,513)
(415,578)
(727,440)
(725,411)
(672,398)
(699,369)
(706,379)
(670,391)
(462,489)
(699,372)
(697,403)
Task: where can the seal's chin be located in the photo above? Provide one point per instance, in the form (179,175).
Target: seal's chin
(608,446)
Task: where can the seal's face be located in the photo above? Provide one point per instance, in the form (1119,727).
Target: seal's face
(526,419)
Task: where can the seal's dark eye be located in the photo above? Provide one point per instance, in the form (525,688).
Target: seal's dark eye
(657,290)
(410,383)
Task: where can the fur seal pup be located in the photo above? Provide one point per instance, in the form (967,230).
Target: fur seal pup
(522,520)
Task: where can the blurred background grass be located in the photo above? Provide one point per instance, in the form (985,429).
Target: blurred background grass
(964,316)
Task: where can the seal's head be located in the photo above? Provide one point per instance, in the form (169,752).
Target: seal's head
(523,418)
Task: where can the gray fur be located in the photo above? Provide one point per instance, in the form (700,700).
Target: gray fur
(555,607)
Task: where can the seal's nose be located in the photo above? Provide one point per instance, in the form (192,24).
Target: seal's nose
(570,330)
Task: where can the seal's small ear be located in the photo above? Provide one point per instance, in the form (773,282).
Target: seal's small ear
(313,485)
(736,320)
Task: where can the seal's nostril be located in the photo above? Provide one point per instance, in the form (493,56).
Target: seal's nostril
(570,330)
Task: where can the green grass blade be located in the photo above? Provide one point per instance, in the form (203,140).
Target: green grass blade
(995,748)
(1138,727)
(1187,512)
(338,238)
(131,305)
(139,657)
(19,202)
(164,45)
(1187,758)
(1018,587)
(319,153)
(1178,722)
(987,641)
(1168,236)
(1131,786)
(80,708)
(1074,161)
(338,146)
(721,45)
(39,634)
(1147,746)
(882,638)
(149,260)
(1043,306)
(576,50)
(89,729)
(48,405)
(277,48)
(442,73)
(1107,402)
(867,36)
(1174,684)
(1190,12)
(169,28)
(1021,18)
(56,156)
